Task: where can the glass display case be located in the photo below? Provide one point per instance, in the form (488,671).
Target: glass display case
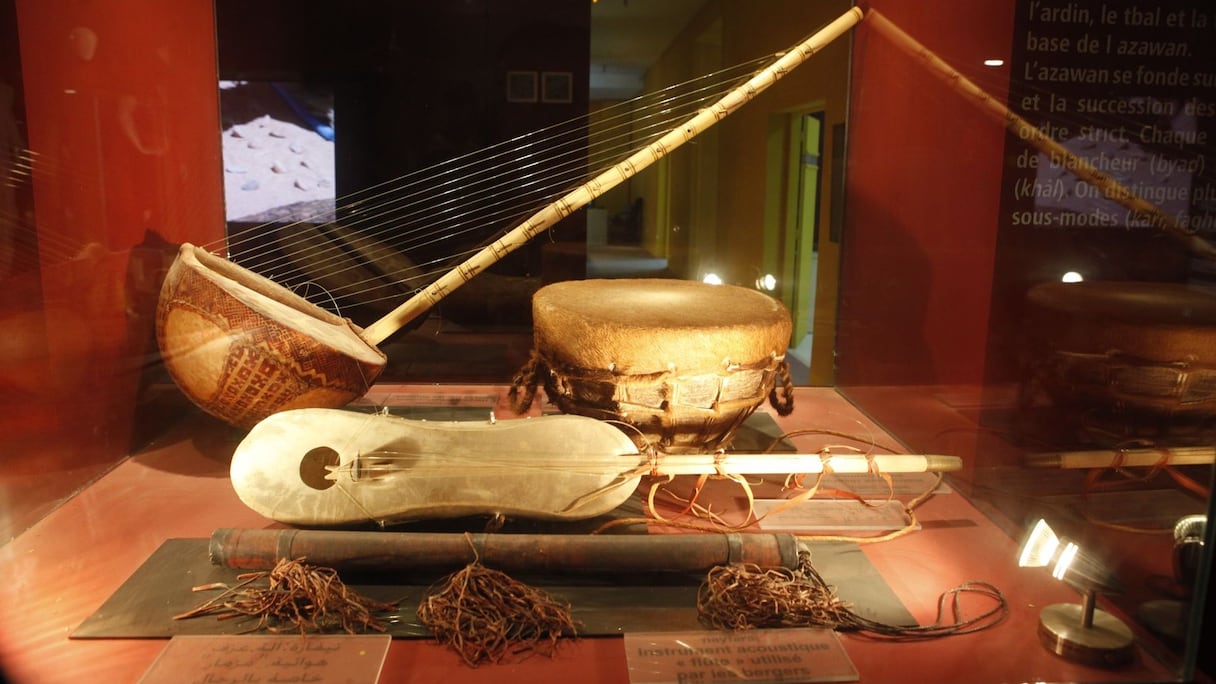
(978,235)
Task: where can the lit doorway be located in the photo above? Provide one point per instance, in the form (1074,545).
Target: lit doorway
(791,244)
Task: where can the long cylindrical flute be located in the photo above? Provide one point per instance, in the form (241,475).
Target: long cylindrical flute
(383,552)
(584,194)
(1109,187)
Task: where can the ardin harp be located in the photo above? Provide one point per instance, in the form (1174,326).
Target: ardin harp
(242,347)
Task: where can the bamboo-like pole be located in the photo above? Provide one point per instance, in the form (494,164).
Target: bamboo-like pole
(606,180)
(1057,153)
(1146,457)
(809,464)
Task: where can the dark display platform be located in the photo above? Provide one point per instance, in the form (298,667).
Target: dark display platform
(144,606)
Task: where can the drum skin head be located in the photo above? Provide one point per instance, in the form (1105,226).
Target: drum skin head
(648,325)
(681,364)
(1127,349)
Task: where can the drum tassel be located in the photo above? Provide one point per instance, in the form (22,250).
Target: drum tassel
(784,405)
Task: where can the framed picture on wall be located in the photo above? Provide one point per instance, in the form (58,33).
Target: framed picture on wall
(556,86)
(521,86)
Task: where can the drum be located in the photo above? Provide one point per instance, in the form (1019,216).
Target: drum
(1132,348)
(679,364)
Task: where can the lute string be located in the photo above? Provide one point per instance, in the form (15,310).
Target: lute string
(443,464)
(446,464)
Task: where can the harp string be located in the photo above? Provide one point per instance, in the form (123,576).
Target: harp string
(23,256)
(640,117)
(492,205)
(57,246)
(373,204)
(386,193)
(30,247)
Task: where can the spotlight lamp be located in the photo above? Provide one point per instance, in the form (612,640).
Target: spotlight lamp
(1170,617)
(1079,632)
(1188,548)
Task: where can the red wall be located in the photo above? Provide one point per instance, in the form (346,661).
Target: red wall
(128,132)
(121,122)
(922,199)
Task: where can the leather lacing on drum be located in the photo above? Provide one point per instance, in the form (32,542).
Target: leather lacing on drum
(1124,380)
(572,389)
